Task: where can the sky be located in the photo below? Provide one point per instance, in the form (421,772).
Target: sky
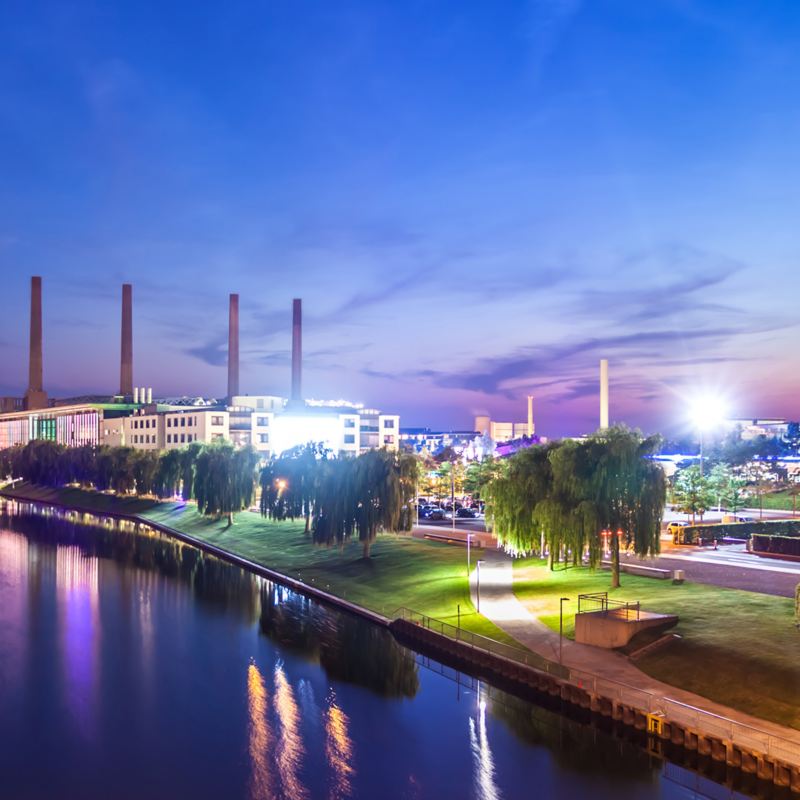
(476,201)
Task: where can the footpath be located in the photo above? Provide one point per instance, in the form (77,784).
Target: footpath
(499,603)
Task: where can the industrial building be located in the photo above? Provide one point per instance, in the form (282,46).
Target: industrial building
(269,423)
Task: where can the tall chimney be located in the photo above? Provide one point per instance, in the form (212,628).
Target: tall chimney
(297,350)
(603,393)
(233,346)
(35,396)
(530,415)
(126,350)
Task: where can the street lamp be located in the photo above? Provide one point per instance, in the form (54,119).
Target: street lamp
(561,627)
(478,573)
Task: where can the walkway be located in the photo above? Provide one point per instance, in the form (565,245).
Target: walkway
(499,604)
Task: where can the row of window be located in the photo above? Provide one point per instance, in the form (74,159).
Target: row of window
(144,438)
(144,423)
(262,422)
(184,422)
(172,438)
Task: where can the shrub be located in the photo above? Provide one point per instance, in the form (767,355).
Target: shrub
(737,530)
(778,545)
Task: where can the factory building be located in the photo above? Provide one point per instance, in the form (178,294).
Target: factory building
(269,423)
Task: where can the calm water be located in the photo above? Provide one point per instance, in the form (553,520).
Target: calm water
(134,666)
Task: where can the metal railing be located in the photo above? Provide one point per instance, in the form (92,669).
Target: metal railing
(483,643)
(599,602)
(705,722)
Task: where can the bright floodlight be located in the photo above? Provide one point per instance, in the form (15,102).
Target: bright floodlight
(708,411)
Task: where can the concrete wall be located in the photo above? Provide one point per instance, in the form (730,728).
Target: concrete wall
(606,629)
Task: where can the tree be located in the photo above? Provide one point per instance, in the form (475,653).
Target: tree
(719,479)
(733,496)
(224,479)
(362,496)
(288,483)
(793,489)
(189,456)
(692,494)
(628,490)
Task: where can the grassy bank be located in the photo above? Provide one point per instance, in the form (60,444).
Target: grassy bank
(737,648)
(426,576)
(781,501)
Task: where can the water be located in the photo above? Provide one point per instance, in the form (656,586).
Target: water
(134,666)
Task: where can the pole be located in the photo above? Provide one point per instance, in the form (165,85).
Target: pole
(469,536)
(561,628)
(453,493)
(478,571)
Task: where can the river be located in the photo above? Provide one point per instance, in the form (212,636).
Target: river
(134,666)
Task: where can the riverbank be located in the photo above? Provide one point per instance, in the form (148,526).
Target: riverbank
(426,576)
(683,722)
(737,648)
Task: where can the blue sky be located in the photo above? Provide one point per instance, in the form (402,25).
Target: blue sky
(476,201)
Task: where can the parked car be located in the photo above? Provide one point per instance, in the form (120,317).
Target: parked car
(745,519)
(432,513)
(674,530)
(468,513)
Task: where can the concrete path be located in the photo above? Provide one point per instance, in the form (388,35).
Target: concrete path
(499,604)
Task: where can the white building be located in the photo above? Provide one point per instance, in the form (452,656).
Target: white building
(171,430)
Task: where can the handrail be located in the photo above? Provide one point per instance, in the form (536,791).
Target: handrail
(738,733)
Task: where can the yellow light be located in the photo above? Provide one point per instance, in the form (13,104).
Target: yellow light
(708,411)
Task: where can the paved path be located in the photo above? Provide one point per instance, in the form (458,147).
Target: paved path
(499,603)
(730,566)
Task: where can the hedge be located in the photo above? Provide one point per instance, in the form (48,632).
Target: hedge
(780,545)
(736,530)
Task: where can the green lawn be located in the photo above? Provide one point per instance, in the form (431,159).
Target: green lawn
(781,501)
(738,648)
(425,576)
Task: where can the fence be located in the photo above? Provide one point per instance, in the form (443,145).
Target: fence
(598,601)
(744,736)
(483,643)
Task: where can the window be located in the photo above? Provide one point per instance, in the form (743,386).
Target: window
(169,438)
(262,421)
(349,438)
(263,438)
(183,438)
(388,439)
(388,423)
(349,423)
(216,421)
(183,422)
(169,422)
(260,402)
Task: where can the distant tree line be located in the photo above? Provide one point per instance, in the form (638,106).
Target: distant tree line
(567,495)
(220,477)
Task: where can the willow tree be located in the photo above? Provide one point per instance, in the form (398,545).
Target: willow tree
(520,484)
(628,490)
(361,496)
(224,479)
(288,483)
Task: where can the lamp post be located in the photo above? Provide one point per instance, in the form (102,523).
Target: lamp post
(561,628)
(478,573)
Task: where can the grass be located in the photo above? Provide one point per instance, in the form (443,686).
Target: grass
(781,501)
(425,576)
(737,648)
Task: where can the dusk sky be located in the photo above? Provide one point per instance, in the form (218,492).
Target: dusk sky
(475,201)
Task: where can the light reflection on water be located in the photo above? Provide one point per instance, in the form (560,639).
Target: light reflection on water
(256,691)
(290,745)
(260,735)
(482,761)
(338,750)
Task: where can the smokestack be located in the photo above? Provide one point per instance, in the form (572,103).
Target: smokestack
(149,394)
(126,349)
(530,415)
(135,394)
(297,350)
(603,393)
(35,397)
(233,346)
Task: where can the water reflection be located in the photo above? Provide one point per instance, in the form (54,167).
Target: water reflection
(260,735)
(338,750)
(77,585)
(290,747)
(319,703)
(482,761)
